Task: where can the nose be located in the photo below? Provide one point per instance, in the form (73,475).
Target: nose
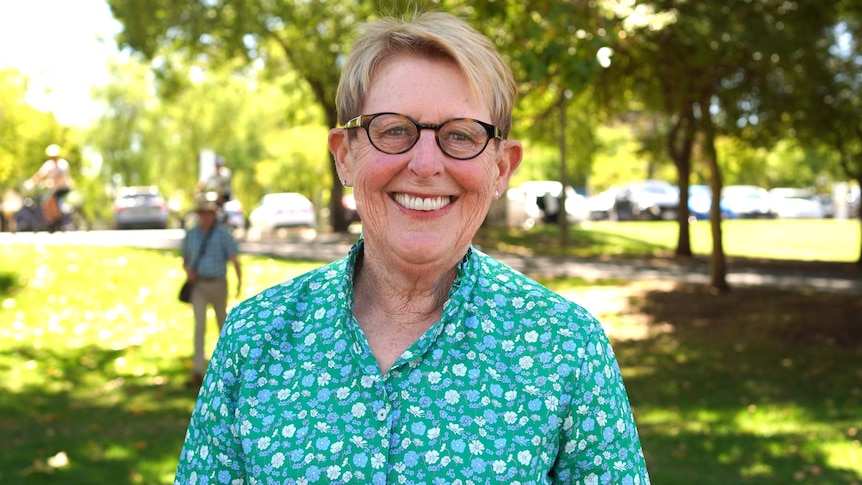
(426,157)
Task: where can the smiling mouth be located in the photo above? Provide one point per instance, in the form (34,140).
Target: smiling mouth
(421,203)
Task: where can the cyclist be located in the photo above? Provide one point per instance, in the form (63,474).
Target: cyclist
(55,174)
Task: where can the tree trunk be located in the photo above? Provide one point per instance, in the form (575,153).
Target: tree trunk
(717,261)
(680,143)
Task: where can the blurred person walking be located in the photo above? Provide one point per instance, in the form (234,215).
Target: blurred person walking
(206,249)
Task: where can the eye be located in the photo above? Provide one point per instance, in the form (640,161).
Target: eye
(463,132)
(393,127)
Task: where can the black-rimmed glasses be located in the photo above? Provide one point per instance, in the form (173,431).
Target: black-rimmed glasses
(393,133)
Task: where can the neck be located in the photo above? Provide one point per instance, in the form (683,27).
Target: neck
(413,296)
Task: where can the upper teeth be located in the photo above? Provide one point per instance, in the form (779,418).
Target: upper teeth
(421,204)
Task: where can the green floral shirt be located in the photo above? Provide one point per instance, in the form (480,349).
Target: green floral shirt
(514,385)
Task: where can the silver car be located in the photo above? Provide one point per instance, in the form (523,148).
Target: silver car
(141,207)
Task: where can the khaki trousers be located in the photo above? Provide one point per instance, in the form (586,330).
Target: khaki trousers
(207,292)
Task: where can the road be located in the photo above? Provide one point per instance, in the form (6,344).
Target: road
(309,246)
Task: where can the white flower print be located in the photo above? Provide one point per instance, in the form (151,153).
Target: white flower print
(358,410)
(263,443)
(602,418)
(476,447)
(431,457)
(310,339)
(333,472)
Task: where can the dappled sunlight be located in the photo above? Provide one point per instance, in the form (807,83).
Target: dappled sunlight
(611,306)
(764,382)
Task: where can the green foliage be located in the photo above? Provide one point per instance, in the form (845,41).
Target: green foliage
(8,282)
(26,131)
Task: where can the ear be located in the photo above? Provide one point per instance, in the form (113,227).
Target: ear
(339,146)
(508,159)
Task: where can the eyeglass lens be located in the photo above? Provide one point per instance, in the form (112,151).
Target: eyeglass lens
(393,134)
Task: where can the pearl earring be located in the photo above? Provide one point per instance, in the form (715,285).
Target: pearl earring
(343,183)
(496,194)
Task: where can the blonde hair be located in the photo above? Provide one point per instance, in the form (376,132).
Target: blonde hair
(435,35)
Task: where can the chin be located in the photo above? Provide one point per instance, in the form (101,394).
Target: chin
(429,247)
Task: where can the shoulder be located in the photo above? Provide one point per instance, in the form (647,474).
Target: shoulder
(297,299)
(517,297)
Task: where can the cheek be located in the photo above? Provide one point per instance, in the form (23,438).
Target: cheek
(476,178)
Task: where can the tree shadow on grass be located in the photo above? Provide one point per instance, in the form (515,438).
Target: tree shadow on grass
(112,427)
(756,386)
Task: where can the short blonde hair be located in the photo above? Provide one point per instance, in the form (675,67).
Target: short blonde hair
(435,35)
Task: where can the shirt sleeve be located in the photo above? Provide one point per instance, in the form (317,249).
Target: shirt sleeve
(600,442)
(212,452)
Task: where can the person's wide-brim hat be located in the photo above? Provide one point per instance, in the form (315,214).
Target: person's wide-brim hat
(205,204)
(206,207)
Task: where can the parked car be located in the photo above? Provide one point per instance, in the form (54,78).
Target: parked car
(794,203)
(140,207)
(234,215)
(646,200)
(281,210)
(602,205)
(700,203)
(541,199)
(747,202)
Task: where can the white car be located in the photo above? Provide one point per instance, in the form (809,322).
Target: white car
(535,191)
(799,208)
(747,202)
(281,210)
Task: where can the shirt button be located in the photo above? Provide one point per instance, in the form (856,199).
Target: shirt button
(382,413)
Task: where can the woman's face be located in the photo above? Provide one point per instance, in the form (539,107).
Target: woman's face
(422,206)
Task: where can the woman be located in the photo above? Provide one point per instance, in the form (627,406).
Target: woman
(415,359)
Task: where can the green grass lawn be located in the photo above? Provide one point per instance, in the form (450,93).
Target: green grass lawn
(756,386)
(94,350)
(834,240)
